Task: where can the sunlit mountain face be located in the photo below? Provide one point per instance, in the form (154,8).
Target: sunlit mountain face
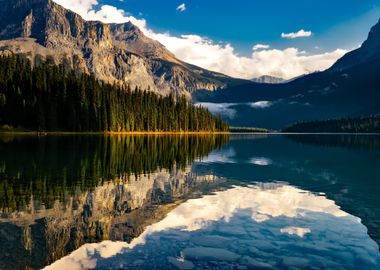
(244,202)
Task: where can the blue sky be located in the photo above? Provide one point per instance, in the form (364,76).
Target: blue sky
(334,23)
(220,35)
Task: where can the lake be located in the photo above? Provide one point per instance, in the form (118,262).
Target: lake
(190,202)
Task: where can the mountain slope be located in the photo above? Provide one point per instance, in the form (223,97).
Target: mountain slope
(350,88)
(42,29)
(369,51)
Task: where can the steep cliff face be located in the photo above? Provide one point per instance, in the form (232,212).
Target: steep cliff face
(42,29)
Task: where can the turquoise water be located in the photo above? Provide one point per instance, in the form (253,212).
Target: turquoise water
(238,202)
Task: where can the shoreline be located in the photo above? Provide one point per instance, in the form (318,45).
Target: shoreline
(57,133)
(162,133)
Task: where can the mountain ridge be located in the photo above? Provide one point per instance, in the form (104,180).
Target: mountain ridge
(349,89)
(369,50)
(42,29)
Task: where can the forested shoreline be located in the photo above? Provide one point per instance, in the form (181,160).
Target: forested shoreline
(370,124)
(50,98)
(53,167)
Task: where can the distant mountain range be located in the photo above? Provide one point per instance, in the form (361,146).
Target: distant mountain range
(43,30)
(350,88)
(268,79)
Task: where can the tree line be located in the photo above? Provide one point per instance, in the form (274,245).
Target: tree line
(48,97)
(369,124)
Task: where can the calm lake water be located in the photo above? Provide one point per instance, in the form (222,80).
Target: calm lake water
(190,202)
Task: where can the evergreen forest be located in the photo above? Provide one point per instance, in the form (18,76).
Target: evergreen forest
(48,97)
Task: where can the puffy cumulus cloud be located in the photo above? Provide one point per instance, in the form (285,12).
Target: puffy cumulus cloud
(299,34)
(82,7)
(201,51)
(286,64)
(291,62)
(181,7)
(90,10)
(260,47)
(108,14)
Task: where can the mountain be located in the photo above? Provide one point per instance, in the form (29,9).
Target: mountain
(349,89)
(43,30)
(369,51)
(268,79)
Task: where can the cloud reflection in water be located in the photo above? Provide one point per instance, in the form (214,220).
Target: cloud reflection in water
(268,226)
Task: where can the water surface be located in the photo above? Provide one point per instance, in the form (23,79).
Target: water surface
(190,202)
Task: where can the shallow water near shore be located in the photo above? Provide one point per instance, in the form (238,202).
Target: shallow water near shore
(190,202)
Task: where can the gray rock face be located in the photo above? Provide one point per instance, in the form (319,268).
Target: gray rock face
(42,29)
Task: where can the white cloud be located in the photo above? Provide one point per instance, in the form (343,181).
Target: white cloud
(300,33)
(181,7)
(90,11)
(81,7)
(261,104)
(260,47)
(287,63)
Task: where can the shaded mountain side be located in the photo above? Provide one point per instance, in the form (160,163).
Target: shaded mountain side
(369,50)
(351,88)
(42,29)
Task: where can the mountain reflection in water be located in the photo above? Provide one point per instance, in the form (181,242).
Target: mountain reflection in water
(263,226)
(184,202)
(58,193)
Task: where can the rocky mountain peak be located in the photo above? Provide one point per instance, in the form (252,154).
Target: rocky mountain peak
(41,29)
(373,41)
(370,50)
